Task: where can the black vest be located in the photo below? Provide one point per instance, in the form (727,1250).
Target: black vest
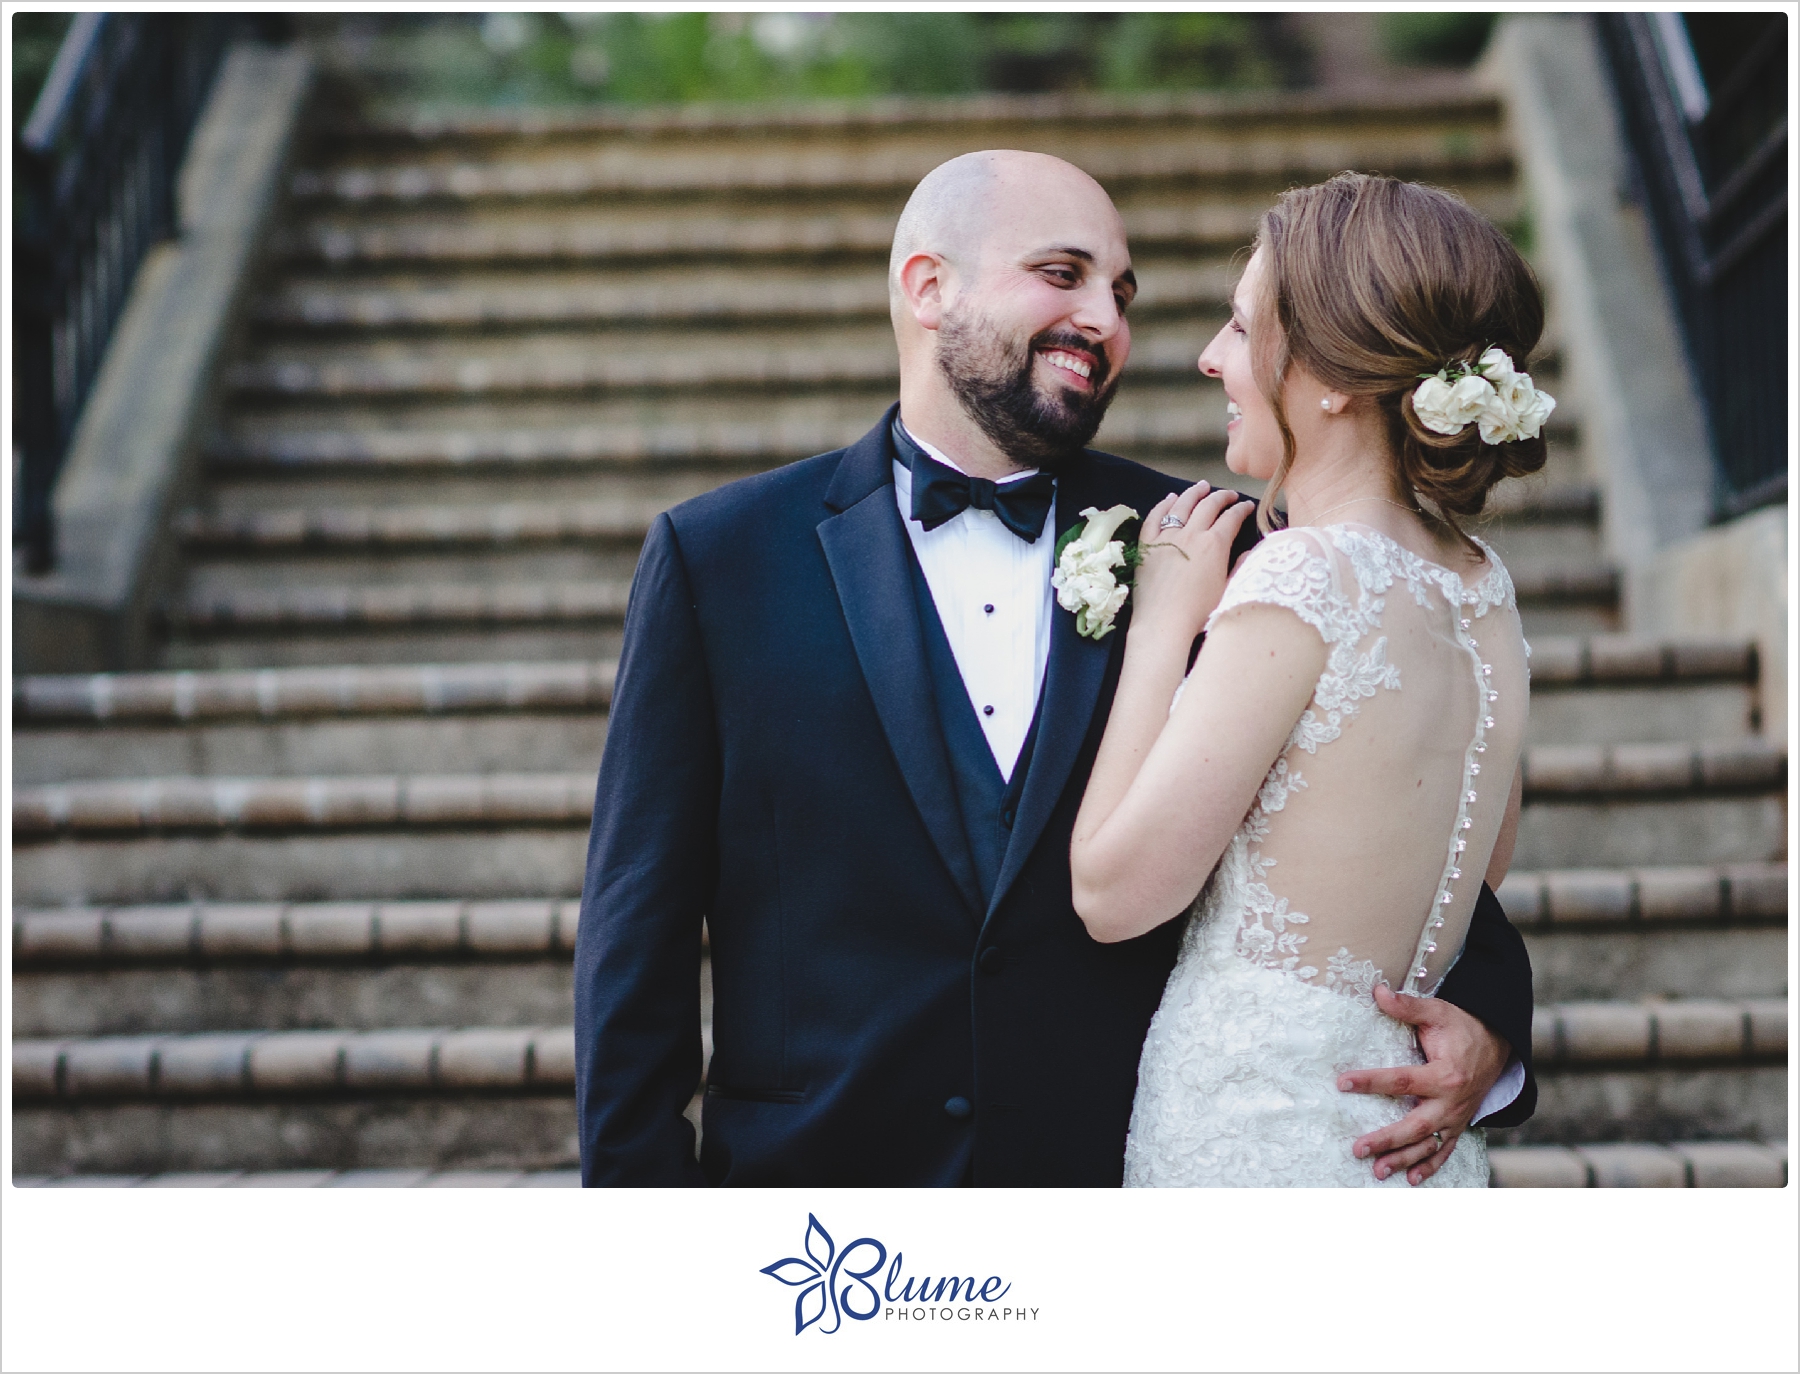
(989,801)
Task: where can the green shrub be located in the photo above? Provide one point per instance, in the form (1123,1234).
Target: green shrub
(1435,39)
(36,37)
(638,58)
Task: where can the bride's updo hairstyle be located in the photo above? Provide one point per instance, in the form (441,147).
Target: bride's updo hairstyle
(1369,282)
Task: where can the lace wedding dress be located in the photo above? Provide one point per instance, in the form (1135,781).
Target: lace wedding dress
(1359,863)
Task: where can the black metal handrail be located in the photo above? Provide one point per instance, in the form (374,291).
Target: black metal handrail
(1712,168)
(94,190)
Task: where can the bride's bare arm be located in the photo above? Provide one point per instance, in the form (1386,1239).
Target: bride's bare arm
(1501,859)
(1169,790)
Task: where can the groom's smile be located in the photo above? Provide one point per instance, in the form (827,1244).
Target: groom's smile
(1079,366)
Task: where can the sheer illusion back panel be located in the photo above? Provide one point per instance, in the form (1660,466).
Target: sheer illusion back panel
(1370,838)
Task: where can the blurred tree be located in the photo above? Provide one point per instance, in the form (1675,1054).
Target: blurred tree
(1435,40)
(36,37)
(1198,51)
(637,58)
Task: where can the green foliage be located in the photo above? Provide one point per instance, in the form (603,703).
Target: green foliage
(36,37)
(1435,39)
(1190,51)
(640,58)
(1521,229)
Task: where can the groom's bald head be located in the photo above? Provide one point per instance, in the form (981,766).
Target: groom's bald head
(961,203)
(945,213)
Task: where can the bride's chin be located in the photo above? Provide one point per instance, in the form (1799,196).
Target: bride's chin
(1238,461)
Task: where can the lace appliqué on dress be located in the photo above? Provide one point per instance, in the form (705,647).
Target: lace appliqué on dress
(1287,570)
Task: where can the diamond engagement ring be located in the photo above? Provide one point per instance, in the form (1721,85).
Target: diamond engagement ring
(1439,1137)
(1171,522)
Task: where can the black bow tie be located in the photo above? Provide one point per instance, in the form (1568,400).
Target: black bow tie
(941,493)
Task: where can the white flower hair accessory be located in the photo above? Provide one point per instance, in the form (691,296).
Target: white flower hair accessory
(1490,392)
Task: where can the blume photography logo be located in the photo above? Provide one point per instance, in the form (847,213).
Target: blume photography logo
(816,1273)
(835,1284)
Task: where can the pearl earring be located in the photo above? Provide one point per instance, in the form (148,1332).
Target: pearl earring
(1324,403)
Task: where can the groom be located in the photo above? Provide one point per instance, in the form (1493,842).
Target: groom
(850,733)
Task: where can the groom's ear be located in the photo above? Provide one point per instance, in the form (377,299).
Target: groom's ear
(922,285)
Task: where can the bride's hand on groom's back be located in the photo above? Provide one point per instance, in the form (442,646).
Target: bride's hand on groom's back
(1183,569)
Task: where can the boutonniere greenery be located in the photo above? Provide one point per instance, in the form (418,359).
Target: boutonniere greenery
(1086,558)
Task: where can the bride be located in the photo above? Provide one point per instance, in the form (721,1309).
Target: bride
(1339,770)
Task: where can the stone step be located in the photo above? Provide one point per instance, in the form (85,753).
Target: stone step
(307,992)
(622,437)
(1691,1164)
(1523,542)
(287,965)
(459,741)
(476,718)
(126,806)
(407,131)
(324,598)
(1588,964)
(395,646)
(891,167)
(1618,831)
(485,717)
(204,934)
(774,361)
(1665,713)
(1566,770)
(351,608)
(1680,1032)
(747,233)
(1567,1038)
(121,806)
(486,1131)
(278,694)
(539,365)
(1659,1104)
(315,1178)
(307,693)
(771,362)
(693,297)
(402,528)
(1646,899)
(425,863)
(742,435)
(530,1061)
(394,529)
(1695,1164)
(1650,902)
(1642,1059)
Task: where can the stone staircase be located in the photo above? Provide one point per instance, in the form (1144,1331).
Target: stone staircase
(298,907)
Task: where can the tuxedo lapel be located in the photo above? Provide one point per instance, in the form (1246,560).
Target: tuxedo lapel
(866,547)
(1073,678)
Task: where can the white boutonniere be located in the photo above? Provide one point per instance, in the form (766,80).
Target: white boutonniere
(1084,579)
(1490,392)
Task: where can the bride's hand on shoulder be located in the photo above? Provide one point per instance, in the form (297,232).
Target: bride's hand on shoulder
(1183,569)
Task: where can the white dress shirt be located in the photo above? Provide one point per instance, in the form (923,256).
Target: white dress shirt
(993,596)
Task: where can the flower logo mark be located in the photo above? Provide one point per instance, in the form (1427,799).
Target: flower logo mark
(816,1274)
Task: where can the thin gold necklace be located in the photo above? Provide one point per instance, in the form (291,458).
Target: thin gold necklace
(1354,500)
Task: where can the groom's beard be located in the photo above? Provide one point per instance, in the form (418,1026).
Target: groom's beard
(992,378)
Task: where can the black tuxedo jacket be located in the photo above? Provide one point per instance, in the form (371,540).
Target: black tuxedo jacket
(774,765)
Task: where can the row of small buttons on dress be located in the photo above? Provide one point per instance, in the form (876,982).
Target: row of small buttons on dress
(1487,723)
